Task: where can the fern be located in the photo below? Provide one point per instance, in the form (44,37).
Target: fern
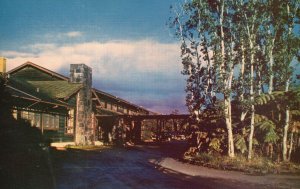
(271,136)
(240,143)
(290,98)
(295,112)
(215,144)
(267,128)
(266,98)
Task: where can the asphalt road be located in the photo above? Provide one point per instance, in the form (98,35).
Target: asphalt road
(139,167)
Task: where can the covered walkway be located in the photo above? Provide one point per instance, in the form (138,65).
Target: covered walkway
(132,125)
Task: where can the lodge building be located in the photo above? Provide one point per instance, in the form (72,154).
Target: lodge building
(63,108)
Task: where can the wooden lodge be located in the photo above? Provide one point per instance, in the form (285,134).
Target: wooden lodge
(64,108)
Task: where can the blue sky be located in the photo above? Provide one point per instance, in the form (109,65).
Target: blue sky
(126,42)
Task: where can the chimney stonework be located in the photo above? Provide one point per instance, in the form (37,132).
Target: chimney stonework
(84,131)
(2,65)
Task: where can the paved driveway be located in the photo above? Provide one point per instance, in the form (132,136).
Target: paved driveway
(142,167)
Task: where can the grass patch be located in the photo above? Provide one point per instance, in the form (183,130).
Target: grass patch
(256,166)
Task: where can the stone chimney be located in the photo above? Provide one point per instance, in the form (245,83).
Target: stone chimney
(84,131)
(2,65)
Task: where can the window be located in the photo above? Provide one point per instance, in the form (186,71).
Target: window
(24,115)
(56,121)
(108,106)
(37,120)
(31,118)
(102,103)
(70,124)
(15,114)
(120,109)
(46,120)
(78,70)
(50,121)
(114,107)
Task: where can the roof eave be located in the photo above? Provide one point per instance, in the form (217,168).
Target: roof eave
(120,99)
(40,68)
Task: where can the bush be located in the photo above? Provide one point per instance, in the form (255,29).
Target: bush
(24,161)
(24,158)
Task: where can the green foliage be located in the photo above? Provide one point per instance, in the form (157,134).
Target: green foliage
(215,145)
(290,98)
(295,112)
(24,159)
(264,99)
(266,129)
(5,99)
(257,166)
(271,136)
(240,143)
(209,135)
(252,45)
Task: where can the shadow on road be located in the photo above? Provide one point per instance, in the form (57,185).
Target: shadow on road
(133,167)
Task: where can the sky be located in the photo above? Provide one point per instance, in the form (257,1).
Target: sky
(126,43)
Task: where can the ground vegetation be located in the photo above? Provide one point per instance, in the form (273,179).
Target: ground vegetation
(240,60)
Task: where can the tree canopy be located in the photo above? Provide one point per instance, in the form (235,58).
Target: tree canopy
(238,51)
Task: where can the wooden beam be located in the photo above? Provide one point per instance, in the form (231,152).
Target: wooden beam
(41,101)
(97,98)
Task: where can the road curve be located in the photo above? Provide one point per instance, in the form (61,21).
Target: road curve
(150,167)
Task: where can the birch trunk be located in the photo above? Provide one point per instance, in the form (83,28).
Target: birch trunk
(287,111)
(251,38)
(242,70)
(252,99)
(271,63)
(291,146)
(259,82)
(227,112)
(227,100)
(242,77)
(286,127)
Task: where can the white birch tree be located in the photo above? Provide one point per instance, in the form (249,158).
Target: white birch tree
(236,48)
(288,48)
(207,56)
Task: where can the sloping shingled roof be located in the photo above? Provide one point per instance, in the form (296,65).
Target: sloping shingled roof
(24,89)
(56,89)
(41,83)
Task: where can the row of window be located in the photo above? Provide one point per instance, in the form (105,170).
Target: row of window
(48,121)
(116,108)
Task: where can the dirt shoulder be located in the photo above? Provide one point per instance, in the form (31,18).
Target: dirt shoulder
(172,164)
(266,181)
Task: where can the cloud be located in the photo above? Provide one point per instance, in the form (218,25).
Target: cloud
(38,47)
(62,36)
(109,59)
(141,67)
(14,54)
(74,34)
